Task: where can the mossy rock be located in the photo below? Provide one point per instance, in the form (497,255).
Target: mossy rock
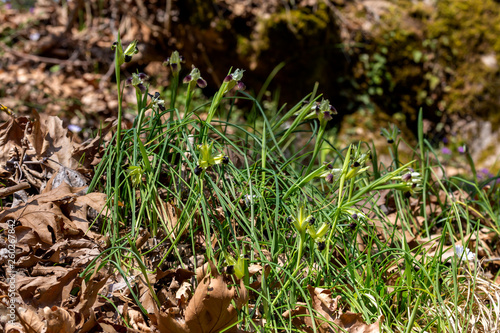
(442,57)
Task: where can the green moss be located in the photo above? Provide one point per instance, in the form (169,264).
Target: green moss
(299,24)
(243,46)
(434,56)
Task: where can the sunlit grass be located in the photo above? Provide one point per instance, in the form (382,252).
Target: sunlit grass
(381,237)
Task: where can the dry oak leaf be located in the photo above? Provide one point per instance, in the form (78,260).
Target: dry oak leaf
(323,303)
(50,139)
(47,290)
(353,323)
(89,151)
(210,309)
(88,295)
(136,320)
(301,318)
(325,311)
(45,219)
(30,320)
(44,216)
(11,135)
(59,320)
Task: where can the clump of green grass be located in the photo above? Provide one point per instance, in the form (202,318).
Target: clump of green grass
(381,237)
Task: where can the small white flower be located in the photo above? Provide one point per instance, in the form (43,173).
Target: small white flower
(74,128)
(249,199)
(459,251)
(158,102)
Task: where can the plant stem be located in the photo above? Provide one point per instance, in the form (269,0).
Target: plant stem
(317,147)
(118,154)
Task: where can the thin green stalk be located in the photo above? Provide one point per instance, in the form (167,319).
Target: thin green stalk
(302,237)
(264,154)
(118,150)
(189,96)
(173,95)
(317,147)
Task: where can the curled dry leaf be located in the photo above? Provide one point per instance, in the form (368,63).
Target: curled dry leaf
(50,139)
(13,328)
(88,294)
(45,213)
(354,323)
(47,290)
(136,320)
(177,277)
(254,269)
(30,320)
(183,293)
(11,135)
(323,303)
(205,270)
(209,310)
(169,215)
(327,317)
(59,320)
(301,318)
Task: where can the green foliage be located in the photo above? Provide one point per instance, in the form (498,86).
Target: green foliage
(433,56)
(261,196)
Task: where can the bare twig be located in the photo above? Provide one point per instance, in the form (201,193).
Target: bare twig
(168,11)
(6,191)
(36,58)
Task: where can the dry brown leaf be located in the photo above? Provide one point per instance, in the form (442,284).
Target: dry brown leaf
(169,215)
(30,320)
(40,270)
(26,239)
(301,319)
(11,134)
(44,219)
(45,216)
(85,324)
(209,310)
(353,323)
(323,303)
(254,269)
(50,139)
(88,294)
(47,290)
(136,320)
(13,328)
(147,300)
(205,270)
(327,318)
(184,292)
(59,320)
(325,311)
(77,210)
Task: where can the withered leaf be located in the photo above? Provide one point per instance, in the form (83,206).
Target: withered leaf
(209,310)
(59,320)
(354,323)
(30,320)
(47,290)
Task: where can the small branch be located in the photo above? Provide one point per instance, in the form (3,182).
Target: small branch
(47,60)
(6,191)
